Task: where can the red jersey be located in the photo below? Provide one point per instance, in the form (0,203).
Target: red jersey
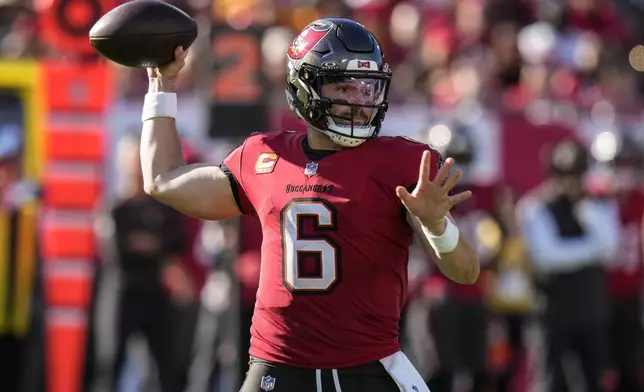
(625,273)
(335,247)
(248,260)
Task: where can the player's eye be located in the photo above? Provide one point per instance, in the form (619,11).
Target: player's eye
(343,89)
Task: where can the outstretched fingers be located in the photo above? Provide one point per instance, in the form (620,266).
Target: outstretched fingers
(459,197)
(425,170)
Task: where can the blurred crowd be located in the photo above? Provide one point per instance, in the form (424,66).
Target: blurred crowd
(539,101)
(507,54)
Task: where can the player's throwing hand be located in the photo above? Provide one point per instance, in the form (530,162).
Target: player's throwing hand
(430,200)
(168,73)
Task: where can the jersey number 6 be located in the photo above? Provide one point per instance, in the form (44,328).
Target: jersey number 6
(300,245)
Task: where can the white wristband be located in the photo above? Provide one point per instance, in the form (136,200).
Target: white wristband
(446,242)
(159,105)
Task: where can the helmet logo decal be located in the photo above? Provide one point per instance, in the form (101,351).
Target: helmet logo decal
(362,65)
(305,42)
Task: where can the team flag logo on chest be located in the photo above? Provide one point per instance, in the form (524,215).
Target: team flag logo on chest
(310,169)
(268,383)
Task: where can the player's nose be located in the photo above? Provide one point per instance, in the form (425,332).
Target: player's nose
(359,99)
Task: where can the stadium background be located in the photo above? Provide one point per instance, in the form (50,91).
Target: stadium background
(497,80)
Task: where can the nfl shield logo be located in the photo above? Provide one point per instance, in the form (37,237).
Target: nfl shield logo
(310,169)
(268,383)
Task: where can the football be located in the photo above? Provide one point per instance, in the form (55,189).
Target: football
(142,33)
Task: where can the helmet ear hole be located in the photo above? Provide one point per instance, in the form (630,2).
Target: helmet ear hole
(306,75)
(314,112)
(314,115)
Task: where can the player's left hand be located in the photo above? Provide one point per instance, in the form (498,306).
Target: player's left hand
(430,201)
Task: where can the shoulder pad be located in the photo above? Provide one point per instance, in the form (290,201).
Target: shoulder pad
(256,136)
(412,140)
(428,145)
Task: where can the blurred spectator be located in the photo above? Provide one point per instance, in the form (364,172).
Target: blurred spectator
(247,269)
(626,271)
(185,280)
(150,244)
(18,32)
(569,237)
(459,323)
(510,295)
(21,302)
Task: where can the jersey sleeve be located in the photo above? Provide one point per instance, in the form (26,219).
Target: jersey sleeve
(233,167)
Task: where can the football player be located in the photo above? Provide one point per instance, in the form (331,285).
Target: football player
(626,270)
(338,207)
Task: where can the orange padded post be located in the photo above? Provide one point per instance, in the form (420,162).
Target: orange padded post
(61,242)
(69,290)
(74,143)
(65,354)
(74,153)
(84,88)
(71,191)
